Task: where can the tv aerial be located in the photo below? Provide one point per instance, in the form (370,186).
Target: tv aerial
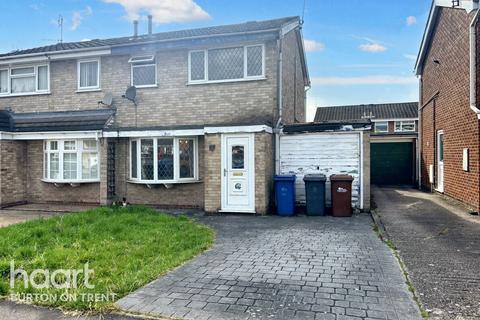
(131,94)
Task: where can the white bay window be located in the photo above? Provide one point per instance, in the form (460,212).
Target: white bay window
(227,64)
(24,80)
(71,161)
(164,160)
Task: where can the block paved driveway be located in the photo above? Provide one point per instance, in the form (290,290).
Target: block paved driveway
(440,245)
(283,268)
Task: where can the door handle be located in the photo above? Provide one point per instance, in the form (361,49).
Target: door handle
(224,172)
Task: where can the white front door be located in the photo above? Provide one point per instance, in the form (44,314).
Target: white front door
(238,173)
(440,166)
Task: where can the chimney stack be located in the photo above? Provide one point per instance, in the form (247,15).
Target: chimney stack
(135,28)
(150,27)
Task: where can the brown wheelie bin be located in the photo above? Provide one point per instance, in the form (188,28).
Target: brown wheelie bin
(341,195)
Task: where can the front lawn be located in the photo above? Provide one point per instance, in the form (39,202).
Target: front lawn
(125,247)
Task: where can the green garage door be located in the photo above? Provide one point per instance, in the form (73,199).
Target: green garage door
(392,163)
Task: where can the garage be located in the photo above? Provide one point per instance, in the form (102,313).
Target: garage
(328,148)
(392,163)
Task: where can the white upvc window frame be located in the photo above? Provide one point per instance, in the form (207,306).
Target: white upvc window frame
(176,161)
(79,151)
(99,71)
(404,122)
(245,67)
(381,131)
(134,63)
(34,74)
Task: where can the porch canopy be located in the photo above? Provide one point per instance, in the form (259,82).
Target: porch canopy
(84,120)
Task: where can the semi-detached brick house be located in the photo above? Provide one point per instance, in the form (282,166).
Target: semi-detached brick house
(449,110)
(200,132)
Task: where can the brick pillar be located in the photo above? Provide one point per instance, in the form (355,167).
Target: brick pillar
(13,172)
(264,168)
(212,172)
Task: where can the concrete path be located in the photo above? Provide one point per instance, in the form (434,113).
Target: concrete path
(22,213)
(440,245)
(283,268)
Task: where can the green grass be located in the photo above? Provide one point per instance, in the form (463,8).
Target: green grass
(126,248)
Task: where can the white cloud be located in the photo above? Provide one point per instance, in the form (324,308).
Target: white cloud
(163,11)
(411,20)
(373,47)
(365,80)
(410,57)
(313,46)
(78,16)
(85,40)
(37,6)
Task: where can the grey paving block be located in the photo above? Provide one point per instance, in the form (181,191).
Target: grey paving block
(272,268)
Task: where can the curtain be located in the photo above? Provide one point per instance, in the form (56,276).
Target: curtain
(3,81)
(89,74)
(43,78)
(21,85)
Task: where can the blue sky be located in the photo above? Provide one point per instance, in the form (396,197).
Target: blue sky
(360,51)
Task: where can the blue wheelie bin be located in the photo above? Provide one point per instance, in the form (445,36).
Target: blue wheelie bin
(285,195)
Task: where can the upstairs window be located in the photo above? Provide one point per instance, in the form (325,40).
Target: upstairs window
(71,161)
(381,127)
(89,74)
(24,80)
(144,71)
(227,64)
(405,126)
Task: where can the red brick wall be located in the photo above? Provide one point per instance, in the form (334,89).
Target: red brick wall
(450,110)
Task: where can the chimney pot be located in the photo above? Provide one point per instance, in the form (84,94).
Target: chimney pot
(150,24)
(135,28)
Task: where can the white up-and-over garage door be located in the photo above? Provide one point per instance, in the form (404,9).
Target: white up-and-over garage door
(327,153)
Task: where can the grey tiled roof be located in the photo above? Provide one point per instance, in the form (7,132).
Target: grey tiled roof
(252,26)
(55,121)
(374,111)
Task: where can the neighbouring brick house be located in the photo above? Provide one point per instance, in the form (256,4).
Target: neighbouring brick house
(393,140)
(199,133)
(448,109)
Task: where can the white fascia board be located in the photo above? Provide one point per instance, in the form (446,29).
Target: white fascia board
(80,55)
(153,133)
(51,135)
(289,27)
(239,129)
(61,55)
(393,119)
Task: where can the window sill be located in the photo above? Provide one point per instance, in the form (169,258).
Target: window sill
(24,94)
(88,90)
(147,87)
(70,182)
(164,183)
(194,83)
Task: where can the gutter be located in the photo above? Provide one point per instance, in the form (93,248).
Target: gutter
(473,64)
